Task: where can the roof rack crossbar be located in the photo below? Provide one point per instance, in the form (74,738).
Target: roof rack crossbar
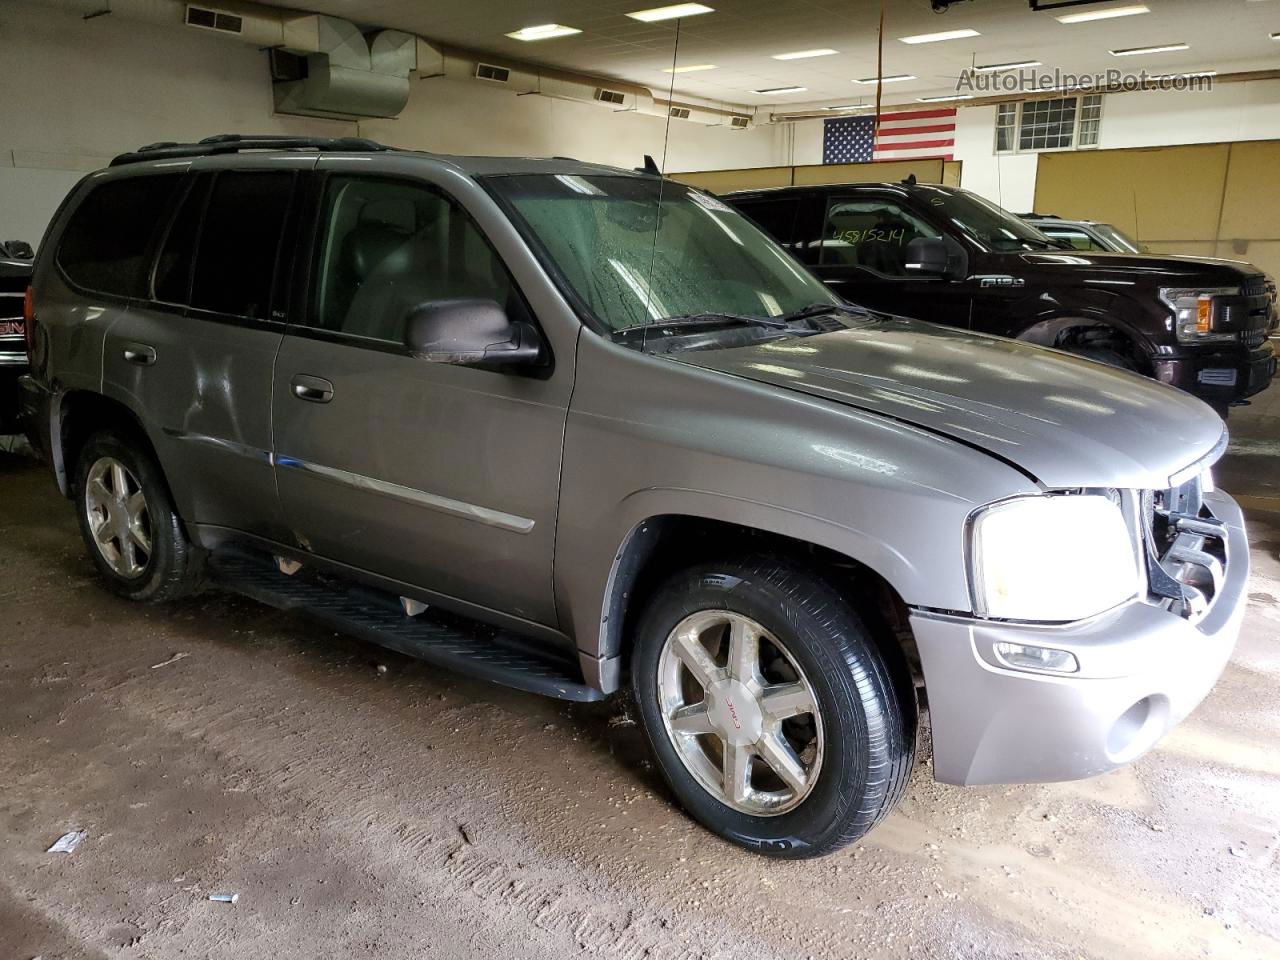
(235,143)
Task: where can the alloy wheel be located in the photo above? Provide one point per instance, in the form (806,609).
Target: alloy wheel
(118,517)
(740,712)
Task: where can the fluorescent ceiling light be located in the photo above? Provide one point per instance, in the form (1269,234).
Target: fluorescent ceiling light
(894,79)
(1135,51)
(954,96)
(851,106)
(544,31)
(944,35)
(805,54)
(1086,16)
(673,12)
(996,67)
(1275,36)
(691,68)
(781,90)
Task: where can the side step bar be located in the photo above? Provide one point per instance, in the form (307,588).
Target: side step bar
(445,640)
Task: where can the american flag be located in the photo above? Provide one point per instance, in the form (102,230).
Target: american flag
(907,135)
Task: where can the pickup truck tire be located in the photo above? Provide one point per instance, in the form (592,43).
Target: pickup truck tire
(1103,354)
(792,744)
(134,536)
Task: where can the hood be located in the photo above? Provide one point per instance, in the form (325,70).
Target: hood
(1066,421)
(1156,269)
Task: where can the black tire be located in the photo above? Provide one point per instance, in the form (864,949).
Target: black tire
(172,566)
(869,725)
(1111,356)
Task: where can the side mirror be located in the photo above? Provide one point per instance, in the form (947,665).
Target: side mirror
(19,250)
(469,333)
(935,257)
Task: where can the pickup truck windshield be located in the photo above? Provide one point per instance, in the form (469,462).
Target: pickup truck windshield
(993,227)
(633,263)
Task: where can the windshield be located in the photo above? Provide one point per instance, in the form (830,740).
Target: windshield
(992,226)
(1115,240)
(631,267)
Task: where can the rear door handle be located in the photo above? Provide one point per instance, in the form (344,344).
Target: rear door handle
(144,355)
(315,389)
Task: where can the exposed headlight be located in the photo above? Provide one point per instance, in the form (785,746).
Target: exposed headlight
(1195,312)
(1052,558)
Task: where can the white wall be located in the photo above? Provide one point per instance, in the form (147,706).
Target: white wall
(92,89)
(1229,112)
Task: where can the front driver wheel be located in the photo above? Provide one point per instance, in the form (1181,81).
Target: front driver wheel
(775,718)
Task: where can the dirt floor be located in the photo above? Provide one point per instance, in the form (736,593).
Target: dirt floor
(218,746)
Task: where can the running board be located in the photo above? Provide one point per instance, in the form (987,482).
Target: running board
(446,640)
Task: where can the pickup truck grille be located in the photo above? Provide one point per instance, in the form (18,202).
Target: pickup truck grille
(13,347)
(1185,547)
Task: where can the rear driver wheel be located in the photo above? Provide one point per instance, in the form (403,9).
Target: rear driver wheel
(135,537)
(775,718)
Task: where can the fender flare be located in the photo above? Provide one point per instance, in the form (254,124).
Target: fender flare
(642,512)
(1044,331)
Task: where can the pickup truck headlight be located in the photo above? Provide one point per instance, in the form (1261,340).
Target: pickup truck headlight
(1052,558)
(1195,312)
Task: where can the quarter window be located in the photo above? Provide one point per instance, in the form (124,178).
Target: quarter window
(872,233)
(106,244)
(388,246)
(239,243)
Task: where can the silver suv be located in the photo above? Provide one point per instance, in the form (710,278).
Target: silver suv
(566,427)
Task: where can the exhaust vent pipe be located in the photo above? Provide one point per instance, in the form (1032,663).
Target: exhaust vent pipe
(345,73)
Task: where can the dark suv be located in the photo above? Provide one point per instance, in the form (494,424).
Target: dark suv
(943,254)
(15,275)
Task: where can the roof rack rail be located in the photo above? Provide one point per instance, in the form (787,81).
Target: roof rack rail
(234,143)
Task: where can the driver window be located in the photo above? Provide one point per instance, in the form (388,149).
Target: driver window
(872,234)
(387,246)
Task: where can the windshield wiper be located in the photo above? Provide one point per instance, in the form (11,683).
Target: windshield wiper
(704,319)
(823,309)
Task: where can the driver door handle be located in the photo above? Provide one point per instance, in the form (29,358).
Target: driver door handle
(315,389)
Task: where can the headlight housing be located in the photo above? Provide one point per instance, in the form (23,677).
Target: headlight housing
(1052,558)
(1195,312)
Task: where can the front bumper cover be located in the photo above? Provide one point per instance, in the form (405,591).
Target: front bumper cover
(1142,671)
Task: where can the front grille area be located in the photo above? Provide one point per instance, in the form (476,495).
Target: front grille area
(1185,547)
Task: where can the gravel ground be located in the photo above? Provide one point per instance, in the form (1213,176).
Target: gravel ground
(218,746)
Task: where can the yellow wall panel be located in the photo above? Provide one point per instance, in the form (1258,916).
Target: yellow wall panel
(1251,203)
(1162,193)
(723,181)
(885,171)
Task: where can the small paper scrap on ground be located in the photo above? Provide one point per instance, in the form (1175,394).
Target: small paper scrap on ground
(164,663)
(67,843)
(225,897)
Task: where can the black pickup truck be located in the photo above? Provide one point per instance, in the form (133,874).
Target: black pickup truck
(946,255)
(15,275)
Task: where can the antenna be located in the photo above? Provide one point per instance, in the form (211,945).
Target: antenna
(650,166)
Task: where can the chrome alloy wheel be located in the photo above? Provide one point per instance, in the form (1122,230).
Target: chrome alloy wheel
(740,712)
(118,517)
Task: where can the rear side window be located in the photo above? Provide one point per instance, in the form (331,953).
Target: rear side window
(176,261)
(240,242)
(106,244)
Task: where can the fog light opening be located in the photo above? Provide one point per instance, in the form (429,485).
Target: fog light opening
(1137,729)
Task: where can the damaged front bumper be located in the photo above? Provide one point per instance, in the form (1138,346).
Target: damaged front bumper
(1142,669)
